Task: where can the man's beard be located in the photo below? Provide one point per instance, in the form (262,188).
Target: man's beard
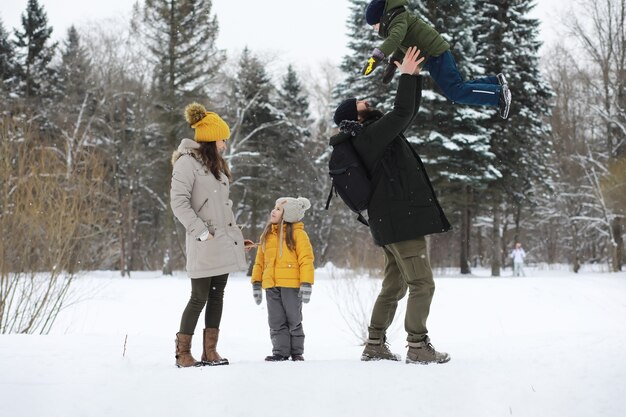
(370,113)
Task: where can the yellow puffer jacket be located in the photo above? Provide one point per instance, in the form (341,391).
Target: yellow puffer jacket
(288,270)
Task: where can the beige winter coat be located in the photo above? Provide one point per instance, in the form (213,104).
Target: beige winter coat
(200,202)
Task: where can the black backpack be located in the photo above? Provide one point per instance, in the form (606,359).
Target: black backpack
(350,178)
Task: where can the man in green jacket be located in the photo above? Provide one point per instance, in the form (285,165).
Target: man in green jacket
(403,209)
(400,30)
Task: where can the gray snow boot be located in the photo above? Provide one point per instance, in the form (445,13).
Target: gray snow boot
(424,353)
(378,349)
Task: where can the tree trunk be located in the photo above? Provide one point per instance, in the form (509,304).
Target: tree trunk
(552,243)
(171,239)
(254,216)
(123,266)
(503,239)
(495,242)
(480,255)
(574,255)
(465,233)
(618,244)
(518,215)
(169,234)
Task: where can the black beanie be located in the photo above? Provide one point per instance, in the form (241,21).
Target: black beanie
(346,111)
(374,11)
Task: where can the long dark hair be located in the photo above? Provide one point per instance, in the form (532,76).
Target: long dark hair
(212,159)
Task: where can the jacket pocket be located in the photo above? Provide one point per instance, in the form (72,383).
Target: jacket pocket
(415,263)
(203,205)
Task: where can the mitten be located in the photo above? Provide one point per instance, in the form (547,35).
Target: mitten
(257,293)
(390,70)
(373,61)
(305,292)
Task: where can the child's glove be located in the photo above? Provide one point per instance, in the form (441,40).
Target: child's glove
(257,293)
(373,62)
(390,70)
(305,292)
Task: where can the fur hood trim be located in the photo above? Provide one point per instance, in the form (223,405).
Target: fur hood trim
(351,127)
(186,147)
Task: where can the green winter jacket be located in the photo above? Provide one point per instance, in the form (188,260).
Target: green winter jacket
(403,205)
(407,30)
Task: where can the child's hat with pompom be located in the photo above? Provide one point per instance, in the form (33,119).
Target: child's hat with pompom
(293,208)
(209,127)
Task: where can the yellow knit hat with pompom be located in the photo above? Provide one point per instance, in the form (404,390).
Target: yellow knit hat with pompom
(209,127)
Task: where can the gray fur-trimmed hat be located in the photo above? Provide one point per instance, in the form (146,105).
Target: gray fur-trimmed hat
(293,208)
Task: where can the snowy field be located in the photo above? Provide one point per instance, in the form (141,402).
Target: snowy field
(547,345)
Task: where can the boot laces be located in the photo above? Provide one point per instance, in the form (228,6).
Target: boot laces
(429,346)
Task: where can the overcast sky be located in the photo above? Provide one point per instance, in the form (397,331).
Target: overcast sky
(302,32)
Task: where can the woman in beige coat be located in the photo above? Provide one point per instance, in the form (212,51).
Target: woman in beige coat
(214,243)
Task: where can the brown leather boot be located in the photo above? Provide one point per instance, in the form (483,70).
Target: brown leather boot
(424,353)
(209,353)
(378,349)
(183,351)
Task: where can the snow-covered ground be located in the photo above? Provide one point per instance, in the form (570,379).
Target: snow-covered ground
(549,344)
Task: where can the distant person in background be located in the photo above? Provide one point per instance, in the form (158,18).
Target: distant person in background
(214,244)
(518,256)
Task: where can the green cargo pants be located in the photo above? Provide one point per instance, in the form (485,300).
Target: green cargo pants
(406,268)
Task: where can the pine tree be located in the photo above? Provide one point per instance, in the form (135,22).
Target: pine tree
(450,136)
(7,62)
(508,43)
(76,102)
(255,144)
(180,36)
(293,151)
(304,167)
(75,70)
(34,52)
(292,97)
(363,40)
(507,40)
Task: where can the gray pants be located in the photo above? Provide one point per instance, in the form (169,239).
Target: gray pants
(407,268)
(284,311)
(518,269)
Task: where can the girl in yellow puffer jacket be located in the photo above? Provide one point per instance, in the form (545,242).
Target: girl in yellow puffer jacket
(284,268)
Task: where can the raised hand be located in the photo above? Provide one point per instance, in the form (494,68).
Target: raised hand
(411,62)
